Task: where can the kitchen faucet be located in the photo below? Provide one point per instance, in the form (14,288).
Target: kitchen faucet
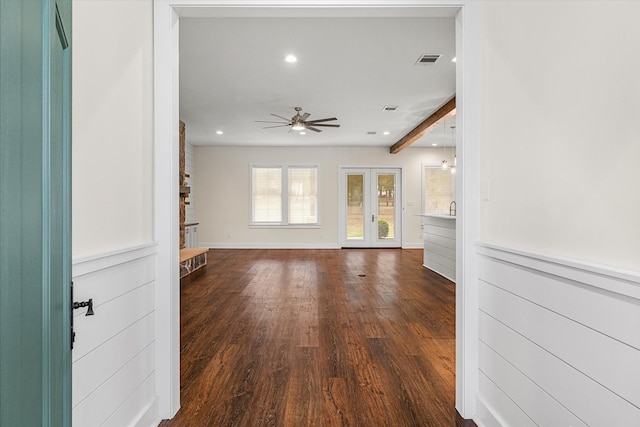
(452,208)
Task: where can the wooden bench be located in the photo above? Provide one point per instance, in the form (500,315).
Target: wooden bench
(192,259)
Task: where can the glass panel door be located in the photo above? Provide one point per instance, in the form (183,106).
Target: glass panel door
(385,197)
(355,206)
(370,208)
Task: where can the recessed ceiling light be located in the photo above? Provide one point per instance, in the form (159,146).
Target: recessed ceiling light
(386,132)
(290,58)
(455,59)
(434,145)
(303,133)
(219,132)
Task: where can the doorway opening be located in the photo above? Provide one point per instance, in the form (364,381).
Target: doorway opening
(167,15)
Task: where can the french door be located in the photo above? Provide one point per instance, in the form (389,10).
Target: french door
(370,207)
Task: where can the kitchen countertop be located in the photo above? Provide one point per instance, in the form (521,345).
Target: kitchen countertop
(443,216)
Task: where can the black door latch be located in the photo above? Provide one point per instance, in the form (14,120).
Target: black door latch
(75,305)
(85,304)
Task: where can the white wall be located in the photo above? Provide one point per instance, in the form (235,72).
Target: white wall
(558,337)
(560,94)
(114,369)
(222,203)
(112,125)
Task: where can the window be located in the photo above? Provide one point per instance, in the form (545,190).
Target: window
(437,189)
(284,195)
(267,195)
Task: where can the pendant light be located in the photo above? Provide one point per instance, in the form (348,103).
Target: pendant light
(444,139)
(455,157)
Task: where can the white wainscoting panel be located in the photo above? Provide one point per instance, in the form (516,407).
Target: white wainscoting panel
(440,245)
(559,341)
(492,397)
(113,374)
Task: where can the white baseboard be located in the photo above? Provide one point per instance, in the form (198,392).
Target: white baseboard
(440,273)
(150,417)
(286,245)
(268,245)
(485,416)
(413,245)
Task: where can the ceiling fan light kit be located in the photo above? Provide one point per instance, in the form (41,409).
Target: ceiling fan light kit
(300,122)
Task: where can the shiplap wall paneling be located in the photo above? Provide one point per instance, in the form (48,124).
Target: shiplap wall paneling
(571,298)
(534,401)
(137,407)
(563,351)
(527,372)
(106,401)
(609,362)
(440,245)
(438,258)
(113,357)
(491,397)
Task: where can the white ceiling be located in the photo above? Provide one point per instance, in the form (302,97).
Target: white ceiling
(232,73)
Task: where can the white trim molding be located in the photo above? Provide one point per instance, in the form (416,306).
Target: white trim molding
(166,215)
(91,264)
(619,281)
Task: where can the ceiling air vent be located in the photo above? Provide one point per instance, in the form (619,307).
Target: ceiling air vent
(371,133)
(427,59)
(390,108)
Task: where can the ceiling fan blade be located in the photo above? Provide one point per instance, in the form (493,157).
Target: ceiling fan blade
(280,117)
(277,126)
(324,124)
(312,128)
(321,120)
(266,121)
(305,116)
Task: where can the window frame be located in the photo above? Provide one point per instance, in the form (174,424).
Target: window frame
(423,196)
(284,196)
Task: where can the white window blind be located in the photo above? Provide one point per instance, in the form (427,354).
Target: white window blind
(303,195)
(267,194)
(284,195)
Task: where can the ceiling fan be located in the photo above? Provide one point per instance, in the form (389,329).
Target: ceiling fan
(300,122)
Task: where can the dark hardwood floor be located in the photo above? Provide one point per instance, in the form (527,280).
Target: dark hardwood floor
(317,338)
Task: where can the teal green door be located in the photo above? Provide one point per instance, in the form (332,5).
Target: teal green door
(35,256)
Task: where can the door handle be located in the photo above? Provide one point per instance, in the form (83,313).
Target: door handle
(372,218)
(85,304)
(75,305)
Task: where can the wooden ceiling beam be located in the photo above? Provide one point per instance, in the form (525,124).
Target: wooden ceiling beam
(443,113)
